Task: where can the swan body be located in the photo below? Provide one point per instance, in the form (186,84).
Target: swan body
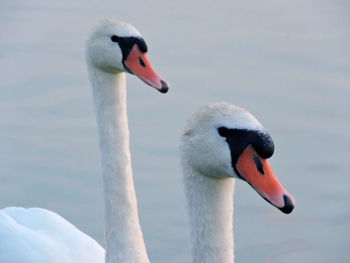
(39,235)
(221,143)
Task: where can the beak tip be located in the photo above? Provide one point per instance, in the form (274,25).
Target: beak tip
(165,87)
(288,205)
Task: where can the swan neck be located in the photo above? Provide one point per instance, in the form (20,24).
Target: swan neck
(124,238)
(210,210)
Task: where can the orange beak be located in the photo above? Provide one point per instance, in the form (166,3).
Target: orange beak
(139,64)
(258,173)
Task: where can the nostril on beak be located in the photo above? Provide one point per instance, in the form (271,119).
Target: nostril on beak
(165,87)
(142,62)
(288,205)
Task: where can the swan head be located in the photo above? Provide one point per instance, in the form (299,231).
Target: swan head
(225,141)
(116,46)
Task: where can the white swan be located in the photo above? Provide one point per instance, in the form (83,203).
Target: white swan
(222,142)
(41,236)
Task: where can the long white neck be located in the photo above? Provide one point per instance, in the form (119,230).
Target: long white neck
(124,239)
(210,209)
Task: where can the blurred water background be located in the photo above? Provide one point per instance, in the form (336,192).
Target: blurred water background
(288,62)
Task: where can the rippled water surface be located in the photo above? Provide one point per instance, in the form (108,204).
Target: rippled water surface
(288,62)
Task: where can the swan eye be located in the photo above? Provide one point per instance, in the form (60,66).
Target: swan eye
(223,131)
(115,38)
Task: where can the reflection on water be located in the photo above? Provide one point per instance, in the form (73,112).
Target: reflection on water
(287,62)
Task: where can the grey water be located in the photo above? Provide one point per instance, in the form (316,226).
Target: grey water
(287,62)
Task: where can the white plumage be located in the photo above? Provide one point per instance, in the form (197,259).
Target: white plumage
(42,236)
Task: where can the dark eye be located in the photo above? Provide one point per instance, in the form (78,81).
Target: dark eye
(223,131)
(115,38)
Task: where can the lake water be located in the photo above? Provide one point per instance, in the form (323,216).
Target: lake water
(288,62)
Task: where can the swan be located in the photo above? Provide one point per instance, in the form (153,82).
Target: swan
(221,143)
(42,236)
